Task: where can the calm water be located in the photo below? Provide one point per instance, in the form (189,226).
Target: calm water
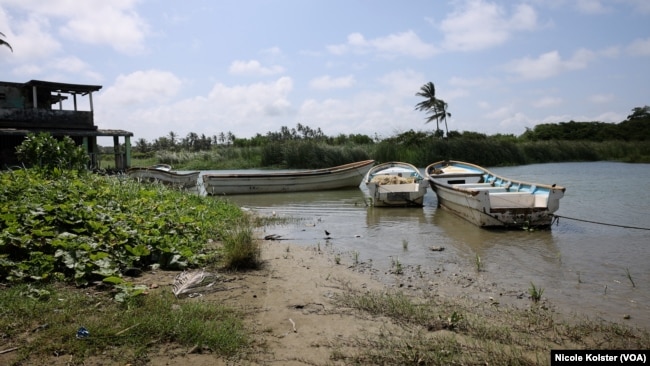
(582,266)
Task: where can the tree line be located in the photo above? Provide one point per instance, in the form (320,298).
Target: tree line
(635,128)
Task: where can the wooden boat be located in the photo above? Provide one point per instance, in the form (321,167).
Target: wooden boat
(396,184)
(163,173)
(488,200)
(342,176)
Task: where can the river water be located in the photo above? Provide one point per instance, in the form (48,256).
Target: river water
(594,262)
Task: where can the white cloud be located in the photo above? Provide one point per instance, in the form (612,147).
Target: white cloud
(547,102)
(74,66)
(142,87)
(402,83)
(254,100)
(253,67)
(113,23)
(327,82)
(549,64)
(591,7)
(601,98)
(399,44)
(479,24)
(640,47)
(30,39)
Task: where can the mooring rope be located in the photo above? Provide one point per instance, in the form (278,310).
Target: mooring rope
(602,223)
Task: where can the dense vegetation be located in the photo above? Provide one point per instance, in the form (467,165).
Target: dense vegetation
(304,147)
(70,225)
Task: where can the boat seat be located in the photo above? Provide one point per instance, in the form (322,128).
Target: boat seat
(473,185)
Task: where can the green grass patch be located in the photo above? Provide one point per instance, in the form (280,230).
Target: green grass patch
(43,322)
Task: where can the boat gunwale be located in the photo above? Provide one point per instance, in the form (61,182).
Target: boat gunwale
(484,171)
(163,172)
(391,164)
(299,173)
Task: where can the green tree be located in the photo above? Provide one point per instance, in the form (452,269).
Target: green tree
(436,108)
(5,43)
(639,112)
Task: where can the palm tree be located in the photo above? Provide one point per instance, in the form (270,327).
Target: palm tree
(437,108)
(172,138)
(5,43)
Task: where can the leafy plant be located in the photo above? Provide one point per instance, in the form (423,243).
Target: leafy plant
(87,228)
(51,155)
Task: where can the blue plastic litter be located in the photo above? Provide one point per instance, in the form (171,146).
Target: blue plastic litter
(82,333)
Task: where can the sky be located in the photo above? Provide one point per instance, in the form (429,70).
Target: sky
(347,67)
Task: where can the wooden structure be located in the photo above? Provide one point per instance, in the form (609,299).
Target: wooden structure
(38,106)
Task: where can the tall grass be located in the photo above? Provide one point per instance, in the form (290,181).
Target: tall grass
(240,249)
(496,152)
(310,155)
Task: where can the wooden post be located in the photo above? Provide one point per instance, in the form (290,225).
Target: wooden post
(116,150)
(127,147)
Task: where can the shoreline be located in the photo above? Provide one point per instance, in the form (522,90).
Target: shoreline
(291,307)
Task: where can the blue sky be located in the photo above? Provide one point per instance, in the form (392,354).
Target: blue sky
(354,66)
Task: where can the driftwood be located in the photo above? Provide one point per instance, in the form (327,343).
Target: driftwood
(8,350)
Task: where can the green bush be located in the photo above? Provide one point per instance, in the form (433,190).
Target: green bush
(49,154)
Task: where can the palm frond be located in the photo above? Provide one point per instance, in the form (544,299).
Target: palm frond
(5,43)
(188,283)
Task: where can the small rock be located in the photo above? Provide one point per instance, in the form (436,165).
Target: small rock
(437,249)
(626,316)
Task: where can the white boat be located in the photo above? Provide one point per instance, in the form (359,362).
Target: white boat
(396,184)
(342,176)
(488,200)
(163,173)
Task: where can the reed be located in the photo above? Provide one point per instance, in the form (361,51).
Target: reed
(397,266)
(478,263)
(535,293)
(355,257)
(629,276)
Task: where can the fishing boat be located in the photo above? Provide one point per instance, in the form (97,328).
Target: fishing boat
(163,173)
(396,184)
(491,201)
(342,176)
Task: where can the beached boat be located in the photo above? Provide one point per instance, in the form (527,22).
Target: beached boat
(342,176)
(396,184)
(488,200)
(163,173)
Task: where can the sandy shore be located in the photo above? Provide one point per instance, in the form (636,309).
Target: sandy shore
(291,310)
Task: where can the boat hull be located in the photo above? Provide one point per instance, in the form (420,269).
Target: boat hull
(175,179)
(344,176)
(396,184)
(491,201)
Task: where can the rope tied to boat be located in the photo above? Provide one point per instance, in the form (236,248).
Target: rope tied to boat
(556,218)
